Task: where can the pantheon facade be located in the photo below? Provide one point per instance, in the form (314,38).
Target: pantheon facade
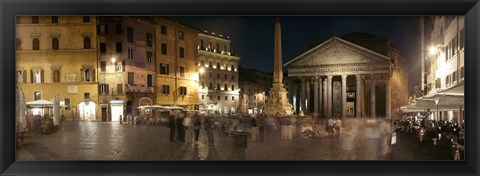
(357,75)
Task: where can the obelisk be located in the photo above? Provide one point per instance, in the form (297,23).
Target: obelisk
(278,104)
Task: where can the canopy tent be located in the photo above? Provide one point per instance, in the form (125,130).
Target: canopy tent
(162,108)
(40,104)
(451,99)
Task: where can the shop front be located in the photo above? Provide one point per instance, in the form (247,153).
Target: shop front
(116,107)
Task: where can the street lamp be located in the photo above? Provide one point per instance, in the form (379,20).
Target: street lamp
(202,70)
(113,60)
(434,49)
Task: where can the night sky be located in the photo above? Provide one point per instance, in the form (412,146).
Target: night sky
(253,36)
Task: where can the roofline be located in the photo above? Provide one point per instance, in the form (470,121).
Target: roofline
(333,38)
(213,36)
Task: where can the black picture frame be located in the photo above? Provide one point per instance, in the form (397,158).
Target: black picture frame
(10,8)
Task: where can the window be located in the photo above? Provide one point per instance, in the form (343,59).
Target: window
(119,47)
(35,19)
(103,29)
(233,87)
(254,97)
(210,86)
(37,95)
(165,89)
(120,88)
(182,52)
(163,30)
(54,19)
(87,43)
(438,83)
(224,47)
(164,48)
(210,64)
(129,35)
(103,48)
(18,43)
(225,87)
(131,78)
(130,53)
(454,77)
(149,39)
(103,66)
(225,76)
(202,63)
(55,44)
(67,103)
(36,76)
(118,29)
(203,97)
(56,76)
(448,80)
(149,80)
(218,97)
(181,35)
(86,95)
(218,47)
(119,67)
(89,75)
(149,56)
(183,90)
(462,73)
(182,71)
(218,86)
(210,73)
(232,68)
(218,65)
(210,97)
(218,75)
(104,89)
(21,77)
(233,77)
(36,44)
(86,19)
(201,43)
(226,97)
(164,69)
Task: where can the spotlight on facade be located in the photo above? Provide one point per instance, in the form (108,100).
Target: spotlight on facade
(113,60)
(432,50)
(202,70)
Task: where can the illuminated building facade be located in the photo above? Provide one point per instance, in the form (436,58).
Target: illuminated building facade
(176,64)
(218,71)
(126,65)
(254,90)
(57,55)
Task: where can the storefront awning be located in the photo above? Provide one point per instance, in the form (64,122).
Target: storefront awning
(450,99)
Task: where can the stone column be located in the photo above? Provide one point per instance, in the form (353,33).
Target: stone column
(325,98)
(358,97)
(307,98)
(388,103)
(315,97)
(302,95)
(344,96)
(320,90)
(372,97)
(329,95)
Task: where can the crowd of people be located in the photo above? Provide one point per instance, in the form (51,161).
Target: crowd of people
(443,140)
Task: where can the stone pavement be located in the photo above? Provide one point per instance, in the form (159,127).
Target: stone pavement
(114,141)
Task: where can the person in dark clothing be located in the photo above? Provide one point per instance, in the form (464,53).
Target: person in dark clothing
(180,129)
(444,147)
(172,126)
(197,124)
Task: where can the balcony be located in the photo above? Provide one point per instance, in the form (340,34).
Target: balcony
(139,88)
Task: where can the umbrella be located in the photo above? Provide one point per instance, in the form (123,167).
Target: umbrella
(21,110)
(40,104)
(56,110)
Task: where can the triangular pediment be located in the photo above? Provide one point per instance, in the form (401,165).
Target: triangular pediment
(337,51)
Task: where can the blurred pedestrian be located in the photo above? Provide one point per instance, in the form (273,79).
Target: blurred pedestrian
(338,125)
(283,127)
(187,122)
(253,128)
(180,128)
(209,126)
(289,128)
(330,125)
(172,126)
(197,125)
(261,127)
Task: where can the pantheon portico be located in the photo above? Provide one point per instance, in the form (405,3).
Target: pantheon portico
(338,78)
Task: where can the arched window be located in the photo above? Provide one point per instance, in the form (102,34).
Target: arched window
(37,95)
(201,43)
(20,77)
(55,44)
(36,44)
(87,75)
(18,44)
(56,76)
(86,43)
